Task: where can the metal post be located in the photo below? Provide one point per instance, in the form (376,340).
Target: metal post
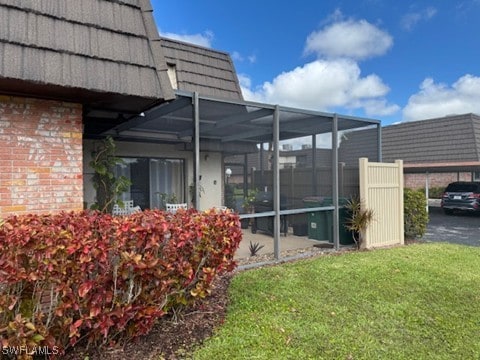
(196,168)
(276,183)
(427,195)
(314,165)
(245,175)
(335,232)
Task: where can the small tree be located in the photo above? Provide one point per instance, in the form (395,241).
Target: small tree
(358,220)
(108,186)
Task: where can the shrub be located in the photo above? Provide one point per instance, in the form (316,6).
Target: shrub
(255,248)
(105,279)
(358,219)
(436,192)
(108,186)
(415,213)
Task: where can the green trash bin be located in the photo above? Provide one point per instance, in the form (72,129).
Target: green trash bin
(320,223)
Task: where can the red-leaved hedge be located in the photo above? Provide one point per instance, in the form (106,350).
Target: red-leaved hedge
(103,279)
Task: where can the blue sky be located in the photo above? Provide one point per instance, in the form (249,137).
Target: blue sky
(384,59)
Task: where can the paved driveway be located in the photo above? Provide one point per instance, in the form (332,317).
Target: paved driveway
(459,229)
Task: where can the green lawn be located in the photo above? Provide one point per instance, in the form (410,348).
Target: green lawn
(413,302)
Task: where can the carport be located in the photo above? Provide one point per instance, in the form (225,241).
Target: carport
(440,167)
(206,124)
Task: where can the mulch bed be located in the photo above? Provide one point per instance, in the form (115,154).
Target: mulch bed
(171,338)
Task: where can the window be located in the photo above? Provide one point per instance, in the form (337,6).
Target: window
(154,181)
(172,75)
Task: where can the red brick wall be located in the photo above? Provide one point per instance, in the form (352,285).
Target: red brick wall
(40,156)
(416,181)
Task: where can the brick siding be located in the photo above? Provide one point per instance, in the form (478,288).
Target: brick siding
(40,156)
(417,181)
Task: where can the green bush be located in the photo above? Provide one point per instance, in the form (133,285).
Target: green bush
(436,192)
(415,213)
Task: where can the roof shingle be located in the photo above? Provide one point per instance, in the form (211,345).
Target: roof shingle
(96,45)
(209,72)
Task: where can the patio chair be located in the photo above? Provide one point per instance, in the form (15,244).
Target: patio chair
(220,208)
(127,209)
(174,207)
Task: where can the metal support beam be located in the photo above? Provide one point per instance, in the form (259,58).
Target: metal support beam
(314,164)
(336,240)
(196,170)
(427,186)
(276,182)
(153,114)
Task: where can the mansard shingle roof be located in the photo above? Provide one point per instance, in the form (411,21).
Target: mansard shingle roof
(83,50)
(206,71)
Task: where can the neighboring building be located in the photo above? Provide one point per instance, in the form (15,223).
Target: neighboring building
(434,151)
(439,150)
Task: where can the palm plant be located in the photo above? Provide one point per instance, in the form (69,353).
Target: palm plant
(358,220)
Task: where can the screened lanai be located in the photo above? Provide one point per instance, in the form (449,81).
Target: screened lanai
(274,165)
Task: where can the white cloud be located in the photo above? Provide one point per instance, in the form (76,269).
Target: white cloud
(323,85)
(410,20)
(236,56)
(246,85)
(333,81)
(379,107)
(349,38)
(438,99)
(252,59)
(204,39)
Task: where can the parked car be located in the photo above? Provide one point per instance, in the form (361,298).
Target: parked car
(461,196)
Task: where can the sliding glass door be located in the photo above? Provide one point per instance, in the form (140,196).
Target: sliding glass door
(154,181)
(166,182)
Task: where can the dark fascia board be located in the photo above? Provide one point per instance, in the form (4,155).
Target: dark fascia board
(443,167)
(108,102)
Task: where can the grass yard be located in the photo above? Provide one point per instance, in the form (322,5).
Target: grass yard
(414,302)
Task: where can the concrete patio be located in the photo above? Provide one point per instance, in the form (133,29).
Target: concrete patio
(287,243)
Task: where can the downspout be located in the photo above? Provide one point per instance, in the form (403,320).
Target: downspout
(336,240)
(276,183)
(196,168)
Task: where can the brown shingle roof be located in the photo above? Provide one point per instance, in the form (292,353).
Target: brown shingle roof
(206,71)
(448,139)
(92,46)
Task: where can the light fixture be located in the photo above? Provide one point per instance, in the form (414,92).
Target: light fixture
(228,173)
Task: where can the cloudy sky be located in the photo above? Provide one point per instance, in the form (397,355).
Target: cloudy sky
(384,59)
